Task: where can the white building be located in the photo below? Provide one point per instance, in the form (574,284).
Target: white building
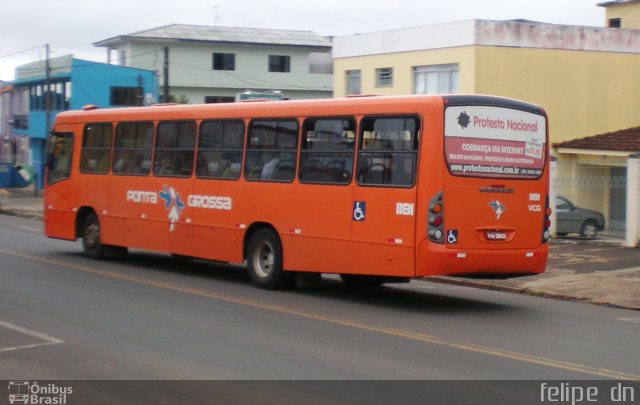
(214,64)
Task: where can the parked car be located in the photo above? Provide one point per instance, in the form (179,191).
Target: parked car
(572,219)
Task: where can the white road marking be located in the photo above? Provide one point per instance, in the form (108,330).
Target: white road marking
(46,339)
(634,320)
(29,228)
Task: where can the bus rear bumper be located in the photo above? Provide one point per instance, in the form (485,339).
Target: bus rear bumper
(442,261)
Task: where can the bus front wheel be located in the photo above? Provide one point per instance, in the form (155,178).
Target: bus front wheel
(91,244)
(264,261)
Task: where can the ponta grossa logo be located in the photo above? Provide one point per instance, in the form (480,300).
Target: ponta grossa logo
(497,207)
(172,203)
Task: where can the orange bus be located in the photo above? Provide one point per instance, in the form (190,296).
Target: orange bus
(375,189)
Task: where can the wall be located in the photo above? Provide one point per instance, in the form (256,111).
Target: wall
(91,82)
(402,64)
(191,72)
(584,92)
(629,14)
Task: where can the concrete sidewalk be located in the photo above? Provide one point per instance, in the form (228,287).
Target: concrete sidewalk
(22,202)
(599,271)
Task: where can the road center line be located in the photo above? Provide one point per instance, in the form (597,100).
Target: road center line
(406,334)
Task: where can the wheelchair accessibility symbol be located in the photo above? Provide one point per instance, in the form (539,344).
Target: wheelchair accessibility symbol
(359,210)
(452,236)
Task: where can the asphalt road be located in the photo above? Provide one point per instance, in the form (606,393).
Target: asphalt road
(150,317)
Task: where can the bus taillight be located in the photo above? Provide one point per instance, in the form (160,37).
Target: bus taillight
(435,230)
(547,222)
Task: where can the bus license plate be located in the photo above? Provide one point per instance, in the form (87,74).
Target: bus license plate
(496,235)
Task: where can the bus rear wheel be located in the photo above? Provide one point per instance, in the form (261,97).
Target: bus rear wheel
(90,233)
(264,261)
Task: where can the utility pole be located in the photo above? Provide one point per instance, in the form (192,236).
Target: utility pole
(47,92)
(166,75)
(47,115)
(140,91)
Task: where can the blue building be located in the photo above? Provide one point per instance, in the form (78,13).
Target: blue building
(73,83)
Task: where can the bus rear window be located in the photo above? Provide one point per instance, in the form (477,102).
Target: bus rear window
(484,141)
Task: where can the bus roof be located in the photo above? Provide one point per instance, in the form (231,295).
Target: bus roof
(312,107)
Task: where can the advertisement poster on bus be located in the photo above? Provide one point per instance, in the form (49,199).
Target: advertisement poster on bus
(483,141)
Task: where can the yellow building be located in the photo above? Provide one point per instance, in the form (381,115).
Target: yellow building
(622,13)
(587,79)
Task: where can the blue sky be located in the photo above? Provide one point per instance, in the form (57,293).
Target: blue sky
(71,26)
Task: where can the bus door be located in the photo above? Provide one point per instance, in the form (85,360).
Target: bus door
(494,194)
(384,201)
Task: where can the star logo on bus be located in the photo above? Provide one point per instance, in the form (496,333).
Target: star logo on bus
(497,207)
(173,204)
(464,120)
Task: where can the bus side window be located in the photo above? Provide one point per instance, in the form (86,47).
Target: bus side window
(96,149)
(327,151)
(220,150)
(132,151)
(271,150)
(388,151)
(175,144)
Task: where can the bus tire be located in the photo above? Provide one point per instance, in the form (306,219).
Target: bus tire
(264,261)
(90,234)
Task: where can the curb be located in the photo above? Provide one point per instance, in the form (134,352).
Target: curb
(22,213)
(523,291)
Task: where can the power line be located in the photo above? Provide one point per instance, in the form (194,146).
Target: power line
(19,52)
(89,63)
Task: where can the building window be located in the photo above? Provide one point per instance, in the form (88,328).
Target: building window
(218,99)
(615,23)
(279,63)
(125,96)
(353,82)
(435,79)
(384,77)
(224,61)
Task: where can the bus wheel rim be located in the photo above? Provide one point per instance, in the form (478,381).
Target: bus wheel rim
(91,235)
(263,259)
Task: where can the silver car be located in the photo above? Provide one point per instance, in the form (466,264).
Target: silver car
(572,219)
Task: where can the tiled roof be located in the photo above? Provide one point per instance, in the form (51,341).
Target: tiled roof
(236,35)
(626,140)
